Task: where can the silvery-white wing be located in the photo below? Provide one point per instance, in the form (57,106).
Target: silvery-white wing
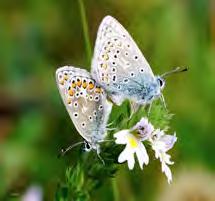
(85,102)
(118,65)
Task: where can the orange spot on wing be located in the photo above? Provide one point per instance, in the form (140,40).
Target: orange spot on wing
(91,85)
(84,84)
(69,101)
(61,82)
(98,90)
(104,65)
(71,92)
(105,56)
(66,77)
(79,83)
(73,84)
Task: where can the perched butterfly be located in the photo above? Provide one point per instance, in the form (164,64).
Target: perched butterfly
(121,69)
(85,102)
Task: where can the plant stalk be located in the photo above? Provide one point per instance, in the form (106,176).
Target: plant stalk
(85,31)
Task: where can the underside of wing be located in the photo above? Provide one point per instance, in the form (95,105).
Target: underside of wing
(85,101)
(118,64)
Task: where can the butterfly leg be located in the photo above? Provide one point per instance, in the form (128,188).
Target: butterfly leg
(98,154)
(116,99)
(149,109)
(111,129)
(163,101)
(134,108)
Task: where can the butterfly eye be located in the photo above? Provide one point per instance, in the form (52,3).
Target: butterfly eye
(161,82)
(87,147)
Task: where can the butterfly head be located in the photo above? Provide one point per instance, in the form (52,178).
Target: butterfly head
(152,90)
(161,82)
(87,146)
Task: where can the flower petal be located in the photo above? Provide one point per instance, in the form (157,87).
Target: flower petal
(127,154)
(131,161)
(124,155)
(169,141)
(167,172)
(121,137)
(142,155)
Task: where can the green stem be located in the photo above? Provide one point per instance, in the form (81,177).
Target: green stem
(85,31)
(115,190)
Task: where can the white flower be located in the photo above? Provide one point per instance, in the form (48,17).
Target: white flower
(161,143)
(133,145)
(144,128)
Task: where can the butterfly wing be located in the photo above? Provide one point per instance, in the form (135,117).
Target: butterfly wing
(85,102)
(118,64)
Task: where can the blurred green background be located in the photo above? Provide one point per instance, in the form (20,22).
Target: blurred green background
(36,37)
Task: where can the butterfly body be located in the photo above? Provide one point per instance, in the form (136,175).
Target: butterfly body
(142,91)
(120,67)
(85,102)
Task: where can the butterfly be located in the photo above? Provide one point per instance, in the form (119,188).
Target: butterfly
(121,69)
(86,104)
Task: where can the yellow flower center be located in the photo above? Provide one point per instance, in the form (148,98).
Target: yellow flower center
(132,141)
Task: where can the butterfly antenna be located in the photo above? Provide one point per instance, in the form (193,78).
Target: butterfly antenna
(176,70)
(64,151)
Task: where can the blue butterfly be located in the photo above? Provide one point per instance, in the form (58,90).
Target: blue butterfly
(121,69)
